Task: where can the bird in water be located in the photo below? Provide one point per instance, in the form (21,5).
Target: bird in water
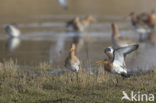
(12,31)
(143,23)
(80,25)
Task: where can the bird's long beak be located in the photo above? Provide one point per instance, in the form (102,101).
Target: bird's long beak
(100,62)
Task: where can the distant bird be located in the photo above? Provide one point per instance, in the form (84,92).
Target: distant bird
(143,24)
(80,25)
(63,4)
(116,59)
(151,20)
(119,41)
(12,31)
(72,62)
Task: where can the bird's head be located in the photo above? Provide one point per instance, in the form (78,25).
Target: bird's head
(72,48)
(109,51)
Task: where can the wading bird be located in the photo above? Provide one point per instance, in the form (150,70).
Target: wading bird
(143,24)
(80,25)
(72,62)
(12,31)
(116,59)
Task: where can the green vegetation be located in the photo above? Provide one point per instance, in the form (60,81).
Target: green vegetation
(39,86)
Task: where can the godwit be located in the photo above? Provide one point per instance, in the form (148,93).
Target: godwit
(142,24)
(116,59)
(117,40)
(72,62)
(80,25)
(151,20)
(12,31)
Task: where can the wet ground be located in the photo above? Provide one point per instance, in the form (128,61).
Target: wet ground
(44,37)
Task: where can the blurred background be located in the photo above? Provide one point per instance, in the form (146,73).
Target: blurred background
(44,37)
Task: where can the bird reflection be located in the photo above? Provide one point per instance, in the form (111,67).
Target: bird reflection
(56,51)
(12,44)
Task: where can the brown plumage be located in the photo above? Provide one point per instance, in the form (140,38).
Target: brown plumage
(107,64)
(144,20)
(80,25)
(151,20)
(144,24)
(72,62)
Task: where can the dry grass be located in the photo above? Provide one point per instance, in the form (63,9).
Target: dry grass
(37,86)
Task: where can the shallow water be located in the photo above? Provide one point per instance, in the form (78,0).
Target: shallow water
(45,39)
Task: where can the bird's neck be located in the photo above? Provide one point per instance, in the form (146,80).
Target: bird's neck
(151,19)
(115,32)
(72,54)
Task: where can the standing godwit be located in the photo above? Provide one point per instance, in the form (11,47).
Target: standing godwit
(80,25)
(72,62)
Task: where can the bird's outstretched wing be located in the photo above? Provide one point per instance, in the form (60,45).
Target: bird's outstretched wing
(63,3)
(120,53)
(126,50)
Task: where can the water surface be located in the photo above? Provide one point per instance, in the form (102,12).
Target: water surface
(44,37)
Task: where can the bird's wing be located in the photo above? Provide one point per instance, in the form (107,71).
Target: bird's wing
(126,50)
(120,53)
(63,3)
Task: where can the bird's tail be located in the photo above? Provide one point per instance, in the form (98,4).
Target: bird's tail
(125,75)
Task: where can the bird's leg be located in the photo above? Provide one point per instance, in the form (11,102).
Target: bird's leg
(71,76)
(77,78)
(117,81)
